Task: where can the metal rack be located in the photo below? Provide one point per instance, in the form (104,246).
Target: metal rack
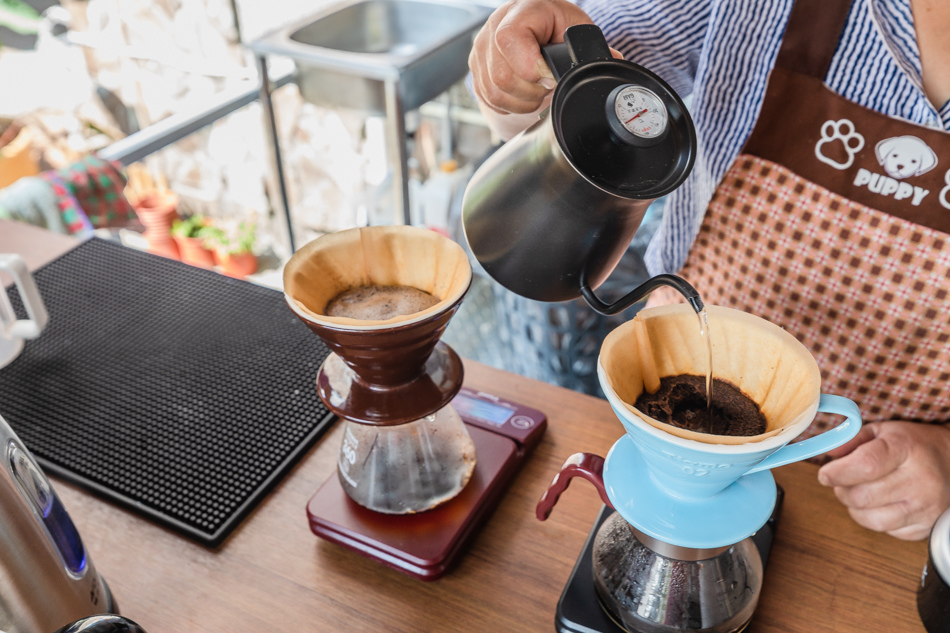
(159,135)
(381,56)
(371,60)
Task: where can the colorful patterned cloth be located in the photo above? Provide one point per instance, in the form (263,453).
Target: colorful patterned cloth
(90,194)
(75,200)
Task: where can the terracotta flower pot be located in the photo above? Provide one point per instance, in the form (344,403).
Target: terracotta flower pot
(238,265)
(157,212)
(193,251)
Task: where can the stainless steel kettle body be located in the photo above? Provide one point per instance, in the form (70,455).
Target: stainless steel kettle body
(552,211)
(535,224)
(47,579)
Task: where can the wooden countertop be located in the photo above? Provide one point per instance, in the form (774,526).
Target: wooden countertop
(825,573)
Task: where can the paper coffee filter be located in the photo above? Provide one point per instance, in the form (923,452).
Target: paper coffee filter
(399,255)
(764,361)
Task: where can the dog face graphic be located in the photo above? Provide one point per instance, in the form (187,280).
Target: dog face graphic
(905,156)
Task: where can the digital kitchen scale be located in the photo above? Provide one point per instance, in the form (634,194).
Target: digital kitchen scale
(426,544)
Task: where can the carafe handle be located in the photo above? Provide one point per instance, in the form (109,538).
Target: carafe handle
(582,43)
(585,465)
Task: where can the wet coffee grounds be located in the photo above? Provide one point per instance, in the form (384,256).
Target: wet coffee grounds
(681,402)
(378,303)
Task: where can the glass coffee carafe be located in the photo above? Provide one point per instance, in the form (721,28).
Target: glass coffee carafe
(435,456)
(404,447)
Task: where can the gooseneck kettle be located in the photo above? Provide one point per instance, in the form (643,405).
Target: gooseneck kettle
(552,211)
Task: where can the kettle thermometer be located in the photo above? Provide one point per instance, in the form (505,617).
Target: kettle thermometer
(637,115)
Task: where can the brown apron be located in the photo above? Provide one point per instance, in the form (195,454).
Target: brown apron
(834,223)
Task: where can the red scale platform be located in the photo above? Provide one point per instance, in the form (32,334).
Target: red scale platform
(425,545)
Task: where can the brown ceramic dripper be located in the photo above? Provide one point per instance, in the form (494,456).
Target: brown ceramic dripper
(404,449)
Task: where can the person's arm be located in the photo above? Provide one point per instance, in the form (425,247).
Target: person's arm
(893,477)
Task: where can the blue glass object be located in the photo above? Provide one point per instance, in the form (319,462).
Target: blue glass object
(39,493)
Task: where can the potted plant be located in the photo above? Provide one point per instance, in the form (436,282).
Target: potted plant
(156,207)
(193,235)
(158,212)
(234,251)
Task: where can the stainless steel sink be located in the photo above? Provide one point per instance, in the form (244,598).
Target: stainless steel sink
(346,54)
(375,56)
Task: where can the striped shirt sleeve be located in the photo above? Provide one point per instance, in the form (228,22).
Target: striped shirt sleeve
(665,36)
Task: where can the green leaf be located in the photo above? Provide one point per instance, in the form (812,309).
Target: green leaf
(246,238)
(18,16)
(189,227)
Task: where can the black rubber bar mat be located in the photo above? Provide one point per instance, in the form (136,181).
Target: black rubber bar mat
(174,391)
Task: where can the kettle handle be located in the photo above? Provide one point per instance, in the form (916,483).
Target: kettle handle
(585,465)
(583,43)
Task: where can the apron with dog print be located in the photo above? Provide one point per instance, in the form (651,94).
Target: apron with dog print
(834,223)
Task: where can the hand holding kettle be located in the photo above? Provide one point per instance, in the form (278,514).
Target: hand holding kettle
(509,75)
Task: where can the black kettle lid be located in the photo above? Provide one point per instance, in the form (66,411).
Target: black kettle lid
(594,95)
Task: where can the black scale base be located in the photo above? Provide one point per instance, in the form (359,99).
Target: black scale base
(579,609)
(174,391)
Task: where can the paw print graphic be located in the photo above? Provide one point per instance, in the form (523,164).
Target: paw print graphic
(835,137)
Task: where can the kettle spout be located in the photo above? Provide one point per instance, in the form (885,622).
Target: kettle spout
(637,294)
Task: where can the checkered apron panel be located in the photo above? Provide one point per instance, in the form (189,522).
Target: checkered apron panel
(867,293)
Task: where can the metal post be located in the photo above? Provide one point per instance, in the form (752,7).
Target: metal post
(448,140)
(396,124)
(267,101)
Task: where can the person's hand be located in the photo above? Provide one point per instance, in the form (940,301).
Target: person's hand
(509,76)
(894,477)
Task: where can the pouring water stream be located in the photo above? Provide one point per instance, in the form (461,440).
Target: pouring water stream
(704,333)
